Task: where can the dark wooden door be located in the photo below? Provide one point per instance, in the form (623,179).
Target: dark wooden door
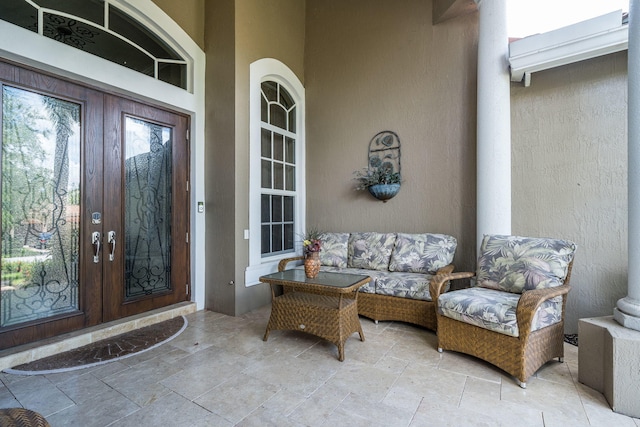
(146,207)
(52,180)
(95,213)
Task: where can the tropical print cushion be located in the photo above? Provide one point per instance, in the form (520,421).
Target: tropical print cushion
(334,249)
(514,264)
(422,253)
(370,251)
(405,285)
(495,310)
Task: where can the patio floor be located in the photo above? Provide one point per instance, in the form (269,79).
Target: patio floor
(219,372)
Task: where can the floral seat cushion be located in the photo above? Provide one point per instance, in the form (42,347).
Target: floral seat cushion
(334,249)
(422,253)
(515,264)
(495,310)
(406,285)
(370,251)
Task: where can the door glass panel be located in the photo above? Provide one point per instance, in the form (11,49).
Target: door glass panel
(147,208)
(40,206)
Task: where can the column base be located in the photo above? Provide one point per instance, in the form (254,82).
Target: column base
(608,357)
(626,320)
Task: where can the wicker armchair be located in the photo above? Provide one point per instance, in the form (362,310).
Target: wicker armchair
(513,315)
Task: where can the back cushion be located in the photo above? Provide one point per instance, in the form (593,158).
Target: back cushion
(371,251)
(422,253)
(514,264)
(334,249)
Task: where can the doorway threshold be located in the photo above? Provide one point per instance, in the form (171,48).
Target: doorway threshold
(48,347)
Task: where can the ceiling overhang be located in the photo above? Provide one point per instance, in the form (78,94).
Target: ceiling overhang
(588,39)
(448,9)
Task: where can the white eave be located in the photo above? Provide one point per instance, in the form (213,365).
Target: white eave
(588,39)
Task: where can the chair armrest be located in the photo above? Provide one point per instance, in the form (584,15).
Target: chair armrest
(447,269)
(529,303)
(282,265)
(439,281)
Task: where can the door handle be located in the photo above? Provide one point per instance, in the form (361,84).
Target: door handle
(95,241)
(111,239)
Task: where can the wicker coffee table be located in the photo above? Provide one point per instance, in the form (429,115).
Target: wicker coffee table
(325,306)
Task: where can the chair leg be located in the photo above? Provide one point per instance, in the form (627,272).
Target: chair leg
(439,349)
(522,384)
(561,359)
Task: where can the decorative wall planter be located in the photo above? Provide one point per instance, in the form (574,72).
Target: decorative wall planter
(382,177)
(384,192)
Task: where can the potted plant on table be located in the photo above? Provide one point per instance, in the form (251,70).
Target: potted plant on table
(383,183)
(311,246)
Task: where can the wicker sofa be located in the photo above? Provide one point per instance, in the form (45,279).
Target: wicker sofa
(400,265)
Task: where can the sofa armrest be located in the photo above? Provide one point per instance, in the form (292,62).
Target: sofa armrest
(282,265)
(439,281)
(529,303)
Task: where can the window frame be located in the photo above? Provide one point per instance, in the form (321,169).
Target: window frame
(269,69)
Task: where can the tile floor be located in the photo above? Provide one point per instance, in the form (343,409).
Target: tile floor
(219,372)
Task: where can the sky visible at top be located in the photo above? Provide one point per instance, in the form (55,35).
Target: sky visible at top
(528,17)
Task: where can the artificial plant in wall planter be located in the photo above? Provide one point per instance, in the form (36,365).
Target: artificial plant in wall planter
(382,177)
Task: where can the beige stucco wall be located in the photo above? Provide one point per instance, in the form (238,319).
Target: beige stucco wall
(188,14)
(239,33)
(382,65)
(569,166)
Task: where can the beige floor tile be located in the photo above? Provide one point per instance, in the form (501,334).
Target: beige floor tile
(435,413)
(7,400)
(470,366)
(237,398)
(172,410)
(314,410)
(356,407)
(557,401)
(432,384)
(598,410)
(101,410)
(483,397)
(292,373)
(83,387)
(39,394)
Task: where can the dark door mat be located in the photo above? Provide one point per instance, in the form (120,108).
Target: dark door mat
(571,339)
(107,350)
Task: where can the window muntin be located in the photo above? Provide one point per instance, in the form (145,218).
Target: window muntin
(100,28)
(277,170)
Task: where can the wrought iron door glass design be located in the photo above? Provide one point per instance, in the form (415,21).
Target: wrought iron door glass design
(40,206)
(147,208)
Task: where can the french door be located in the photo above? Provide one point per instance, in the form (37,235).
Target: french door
(94,207)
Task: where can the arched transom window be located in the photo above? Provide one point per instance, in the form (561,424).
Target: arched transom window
(101,28)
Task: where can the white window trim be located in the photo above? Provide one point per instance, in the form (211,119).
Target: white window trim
(259,71)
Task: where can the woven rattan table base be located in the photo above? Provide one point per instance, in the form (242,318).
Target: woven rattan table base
(330,317)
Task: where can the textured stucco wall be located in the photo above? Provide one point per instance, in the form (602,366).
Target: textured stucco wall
(264,29)
(188,14)
(569,174)
(382,65)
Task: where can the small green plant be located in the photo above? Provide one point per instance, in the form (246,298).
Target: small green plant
(367,177)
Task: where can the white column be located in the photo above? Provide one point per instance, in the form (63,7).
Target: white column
(627,311)
(494,122)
